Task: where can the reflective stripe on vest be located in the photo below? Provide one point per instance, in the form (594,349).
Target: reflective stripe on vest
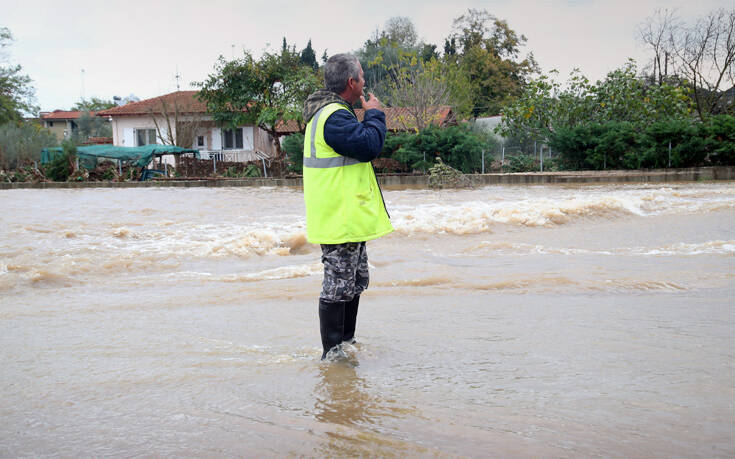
(324,163)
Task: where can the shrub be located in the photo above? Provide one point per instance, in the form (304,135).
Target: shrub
(687,144)
(247,170)
(458,146)
(617,146)
(61,168)
(719,139)
(521,163)
(251,170)
(573,146)
(623,145)
(293,145)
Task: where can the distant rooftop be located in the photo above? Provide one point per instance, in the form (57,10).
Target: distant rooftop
(186,102)
(63,115)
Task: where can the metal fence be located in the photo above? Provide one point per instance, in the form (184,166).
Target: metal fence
(531,151)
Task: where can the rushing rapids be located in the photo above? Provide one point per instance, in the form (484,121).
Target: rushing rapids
(538,320)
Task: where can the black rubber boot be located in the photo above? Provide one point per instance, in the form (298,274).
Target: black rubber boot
(331,323)
(350,319)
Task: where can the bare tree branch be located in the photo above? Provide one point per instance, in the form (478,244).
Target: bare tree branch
(182,125)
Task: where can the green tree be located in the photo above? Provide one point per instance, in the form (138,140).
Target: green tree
(17,96)
(428,52)
(293,145)
(262,92)
(624,96)
(377,55)
(423,87)
(94,104)
(308,57)
(546,106)
(92,126)
(400,30)
(390,49)
(720,139)
(21,144)
(490,56)
(450,46)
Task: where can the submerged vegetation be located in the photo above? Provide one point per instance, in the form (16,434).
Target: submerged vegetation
(444,176)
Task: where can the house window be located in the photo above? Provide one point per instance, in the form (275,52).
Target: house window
(50,123)
(232,139)
(145,136)
(200,141)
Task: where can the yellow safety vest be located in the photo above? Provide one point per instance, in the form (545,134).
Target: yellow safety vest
(343,200)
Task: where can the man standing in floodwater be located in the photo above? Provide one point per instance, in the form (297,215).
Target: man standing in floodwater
(344,204)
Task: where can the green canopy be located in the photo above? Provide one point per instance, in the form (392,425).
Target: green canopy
(140,156)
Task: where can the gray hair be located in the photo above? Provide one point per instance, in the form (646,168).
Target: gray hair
(339,69)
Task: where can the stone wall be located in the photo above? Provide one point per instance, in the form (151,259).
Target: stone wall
(421,181)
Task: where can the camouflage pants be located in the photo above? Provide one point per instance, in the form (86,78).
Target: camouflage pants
(345,271)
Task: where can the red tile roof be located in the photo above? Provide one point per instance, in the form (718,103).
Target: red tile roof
(396,119)
(63,115)
(185,100)
(400,118)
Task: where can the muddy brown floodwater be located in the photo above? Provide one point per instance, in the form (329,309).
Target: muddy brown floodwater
(544,321)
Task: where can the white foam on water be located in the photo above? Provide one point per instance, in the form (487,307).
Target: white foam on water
(548,206)
(530,249)
(477,217)
(686,249)
(283,272)
(202,241)
(681,248)
(567,285)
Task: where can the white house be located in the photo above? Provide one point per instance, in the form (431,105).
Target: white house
(149,121)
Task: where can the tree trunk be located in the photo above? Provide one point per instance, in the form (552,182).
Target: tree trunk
(278,165)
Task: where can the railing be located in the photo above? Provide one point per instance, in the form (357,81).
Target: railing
(237,156)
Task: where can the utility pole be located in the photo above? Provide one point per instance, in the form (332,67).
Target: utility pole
(82,84)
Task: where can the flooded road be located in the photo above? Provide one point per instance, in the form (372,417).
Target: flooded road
(545,321)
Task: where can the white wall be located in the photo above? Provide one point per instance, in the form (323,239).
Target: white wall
(217,139)
(247,138)
(123,132)
(123,129)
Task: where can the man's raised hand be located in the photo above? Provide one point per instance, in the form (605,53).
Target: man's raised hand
(371,102)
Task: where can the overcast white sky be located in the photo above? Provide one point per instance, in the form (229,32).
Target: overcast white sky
(134,47)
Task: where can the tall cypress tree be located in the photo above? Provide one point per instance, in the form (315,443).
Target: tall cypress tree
(308,57)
